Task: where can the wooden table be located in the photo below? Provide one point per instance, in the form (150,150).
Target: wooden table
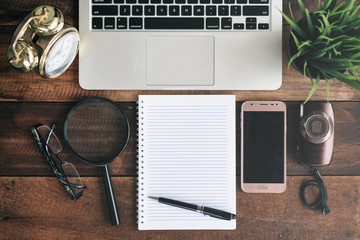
(33,205)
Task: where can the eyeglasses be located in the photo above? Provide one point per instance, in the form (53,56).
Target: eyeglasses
(66,173)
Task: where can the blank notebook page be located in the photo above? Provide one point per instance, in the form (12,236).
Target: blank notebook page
(187,153)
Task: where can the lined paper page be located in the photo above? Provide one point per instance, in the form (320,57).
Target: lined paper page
(187,153)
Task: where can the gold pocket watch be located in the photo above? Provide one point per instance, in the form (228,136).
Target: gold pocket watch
(43,41)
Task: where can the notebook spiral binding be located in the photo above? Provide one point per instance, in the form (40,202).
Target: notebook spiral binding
(140,162)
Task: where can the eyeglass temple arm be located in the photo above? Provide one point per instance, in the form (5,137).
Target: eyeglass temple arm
(46,155)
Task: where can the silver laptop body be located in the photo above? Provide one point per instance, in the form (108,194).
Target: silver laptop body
(226,48)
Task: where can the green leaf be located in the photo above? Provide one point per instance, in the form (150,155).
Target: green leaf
(295,26)
(356,55)
(322,52)
(309,23)
(352,83)
(336,8)
(292,59)
(349,4)
(329,5)
(306,43)
(327,26)
(302,8)
(315,85)
(297,43)
(326,38)
(353,24)
(327,90)
(291,13)
(305,67)
(354,11)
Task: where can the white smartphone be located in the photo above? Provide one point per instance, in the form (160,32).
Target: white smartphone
(263,147)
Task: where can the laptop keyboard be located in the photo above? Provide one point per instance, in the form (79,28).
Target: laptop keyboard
(211,15)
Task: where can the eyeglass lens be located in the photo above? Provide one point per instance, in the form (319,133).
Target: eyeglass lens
(72,176)
(52,141)
(54,144)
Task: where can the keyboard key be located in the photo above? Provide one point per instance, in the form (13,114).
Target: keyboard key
(150,10)
(250,20)
(241,1)
(239,26)
(137,10)
(155,1)
(135,23)
(161,10)
(143,1)
(180,1)
(101,1)
(258,1)
(105,10)
(125,10)
(235,10)
(229,1)
(256,10)
(204,1)
(174,11)
(250,23)
(263,26)
(173,23)
(226,23)
(217,1)
(121,23)
(186,10)
(119,1)
(211,10)
(223,10)
(250,26)
(130,1)
(168,1)
(212,23)
(97,23)
(192,1)
(199,10)
(109,23)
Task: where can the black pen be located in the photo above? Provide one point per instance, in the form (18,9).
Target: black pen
(200,209)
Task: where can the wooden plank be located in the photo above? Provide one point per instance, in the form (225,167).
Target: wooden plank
(39,208)
(19,154)
(13,11)
(31,87)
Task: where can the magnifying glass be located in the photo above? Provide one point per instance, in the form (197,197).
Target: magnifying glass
(96,131)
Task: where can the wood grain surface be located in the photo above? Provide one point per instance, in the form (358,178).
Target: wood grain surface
(39,208)
(21,155)
(34,205)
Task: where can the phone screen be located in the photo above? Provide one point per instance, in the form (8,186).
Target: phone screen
(263,147)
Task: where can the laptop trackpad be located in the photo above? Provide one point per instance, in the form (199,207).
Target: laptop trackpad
(180,61)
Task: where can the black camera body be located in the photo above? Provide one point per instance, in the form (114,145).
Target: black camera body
(315,137)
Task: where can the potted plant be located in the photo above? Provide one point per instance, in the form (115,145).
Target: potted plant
(325,44)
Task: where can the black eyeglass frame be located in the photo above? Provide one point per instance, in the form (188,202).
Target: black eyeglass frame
(60,174)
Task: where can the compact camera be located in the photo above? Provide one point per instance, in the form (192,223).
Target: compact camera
(315,134)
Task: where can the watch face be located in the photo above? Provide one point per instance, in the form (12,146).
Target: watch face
(61,55)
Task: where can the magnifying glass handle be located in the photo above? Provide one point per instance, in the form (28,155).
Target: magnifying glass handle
(114,216)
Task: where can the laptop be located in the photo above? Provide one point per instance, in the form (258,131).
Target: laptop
(180,44)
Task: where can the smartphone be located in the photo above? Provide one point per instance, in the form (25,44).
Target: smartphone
(263,147)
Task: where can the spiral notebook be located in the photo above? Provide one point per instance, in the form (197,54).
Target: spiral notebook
(186,152)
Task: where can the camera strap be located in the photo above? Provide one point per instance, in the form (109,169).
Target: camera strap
(320,202)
